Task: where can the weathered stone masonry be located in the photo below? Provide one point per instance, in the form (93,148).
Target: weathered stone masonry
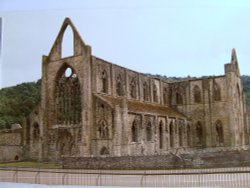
(90,107)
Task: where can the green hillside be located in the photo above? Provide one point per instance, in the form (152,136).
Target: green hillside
(18,101)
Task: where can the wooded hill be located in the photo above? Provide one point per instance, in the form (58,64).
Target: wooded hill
(18,101)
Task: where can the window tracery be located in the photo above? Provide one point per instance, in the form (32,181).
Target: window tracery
(68,98)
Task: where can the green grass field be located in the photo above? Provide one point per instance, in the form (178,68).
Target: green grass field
(29,164)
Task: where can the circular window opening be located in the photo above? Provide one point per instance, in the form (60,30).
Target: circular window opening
(68,72)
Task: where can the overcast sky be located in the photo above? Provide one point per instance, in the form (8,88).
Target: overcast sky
(172,38)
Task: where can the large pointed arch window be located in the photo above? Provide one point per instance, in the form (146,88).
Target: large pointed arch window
(67,97)
(68,42)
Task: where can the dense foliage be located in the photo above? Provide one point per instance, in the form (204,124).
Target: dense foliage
(18,101)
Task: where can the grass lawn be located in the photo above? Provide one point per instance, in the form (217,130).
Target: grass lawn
(29,164)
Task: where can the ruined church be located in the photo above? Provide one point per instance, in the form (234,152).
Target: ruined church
(90,107)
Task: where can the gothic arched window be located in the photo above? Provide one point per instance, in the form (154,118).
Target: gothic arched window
(119,90)
(133,88)
(197,94)
(171,132)
(134,131)
(104,82)
(188,135)
(216,92)
(149,132)
(180,134)
(199,133)
(219,133)
(165,95)
(155,97)
(36,131)
(179,99)
(67,98)
(145,91)
(161,135)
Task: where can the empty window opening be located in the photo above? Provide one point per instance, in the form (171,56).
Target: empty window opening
(68,43)
(171,127)
(145,92)
(36,131)
(134,130)
(179,99)
(119,90)
(133,88)
(180,135)
(155,97)
(197,94)
(199,133)
(104,82)
(165,96)
(161,135)
(16,158)
(149,131)
(219,133)
(188,135)
(216,92)
(104,151)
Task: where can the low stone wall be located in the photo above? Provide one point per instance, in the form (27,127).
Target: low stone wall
(170,161)
(11,153)
(11,148)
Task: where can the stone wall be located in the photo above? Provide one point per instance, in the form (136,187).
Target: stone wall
(200,159)
(11,145)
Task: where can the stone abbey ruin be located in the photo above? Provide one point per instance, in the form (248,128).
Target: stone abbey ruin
(106,115)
